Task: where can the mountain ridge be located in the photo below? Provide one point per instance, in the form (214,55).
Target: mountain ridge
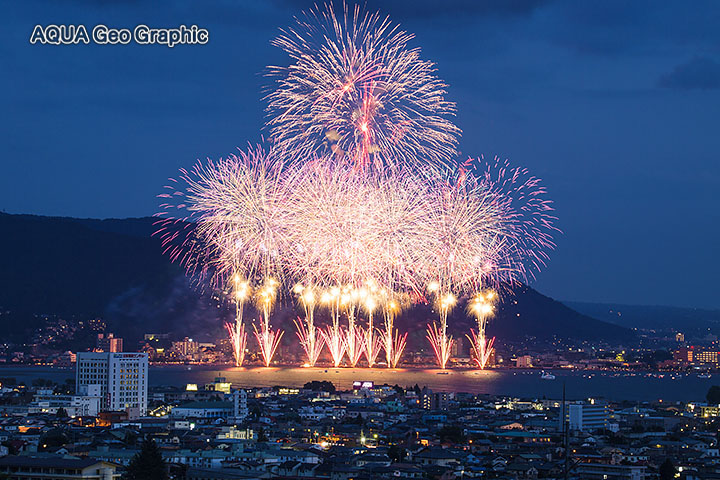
(115,269)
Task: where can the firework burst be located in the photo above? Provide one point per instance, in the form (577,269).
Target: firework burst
(524,213)
(357,90)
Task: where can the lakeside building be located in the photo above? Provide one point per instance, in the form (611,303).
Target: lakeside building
(122,378)
(108,342)
(693,355)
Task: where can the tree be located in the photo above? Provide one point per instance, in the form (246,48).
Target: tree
(451,433)
(320,386)
(667,470)
(713,395)
(396,453)
(262,437)
(42,382)
(61,413)
(53,438)
(147,464)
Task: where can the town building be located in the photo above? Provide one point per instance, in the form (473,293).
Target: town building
(434,400)
(606,471)
(706,357)
(203,410)
(51,468)
(240,408)
(74,405)
(186,347)
(122,378)
(587,416)
(108,342)
(683,355)
(524,361)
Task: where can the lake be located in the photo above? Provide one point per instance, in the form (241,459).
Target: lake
(640,386)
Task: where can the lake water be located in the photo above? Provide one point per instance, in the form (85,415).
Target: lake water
(512,382)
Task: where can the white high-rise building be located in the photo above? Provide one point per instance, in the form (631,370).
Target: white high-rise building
(240,408)
(586,416)
(122,378)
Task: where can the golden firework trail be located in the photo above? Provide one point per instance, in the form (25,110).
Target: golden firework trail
(481,306)
(310,337)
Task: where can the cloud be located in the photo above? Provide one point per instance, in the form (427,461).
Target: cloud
(700,73)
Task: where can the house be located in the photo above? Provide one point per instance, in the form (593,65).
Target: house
(51,468)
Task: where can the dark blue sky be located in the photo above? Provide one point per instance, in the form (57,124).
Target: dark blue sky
(614,104)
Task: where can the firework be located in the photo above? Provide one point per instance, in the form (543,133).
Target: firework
(465,238)
(356,90)
(481,306)
(393,342)
(353,335)
(331,235)
(371,343)
(482,348)
(348,229)
(356,204)
(333,334)
(236,330)
(310,338)
(229,218)
(437,334)
(335,341)
(267,338)
(525,216)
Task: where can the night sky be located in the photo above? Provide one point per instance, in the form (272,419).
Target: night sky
(614,104)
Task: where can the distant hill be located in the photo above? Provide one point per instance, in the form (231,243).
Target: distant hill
(115,270)
(693,320)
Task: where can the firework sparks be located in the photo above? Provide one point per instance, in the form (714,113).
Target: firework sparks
(333,334)
(310,337)
(238,340)
(267,338)
(236,331)
(482,348)
(356,90)
(524,214)
(393,342)
(227,218)
(481,306)
(335,341)
(353,335)
(437,334)
(371,343)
